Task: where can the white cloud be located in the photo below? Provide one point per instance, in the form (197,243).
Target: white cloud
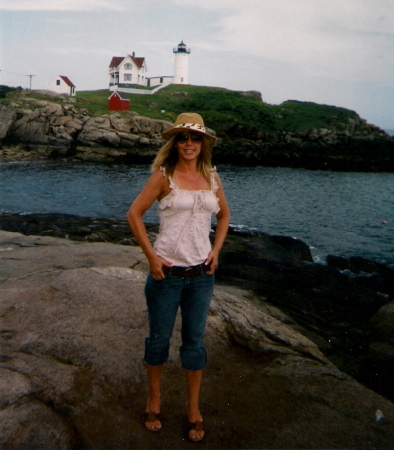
(60,5)
(339,38)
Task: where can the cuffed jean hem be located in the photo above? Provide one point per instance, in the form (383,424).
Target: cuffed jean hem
(155,357)
(193,360)
(190,359)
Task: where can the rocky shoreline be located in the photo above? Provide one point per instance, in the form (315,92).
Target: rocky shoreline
(74,321)
(33,129)
(346,307)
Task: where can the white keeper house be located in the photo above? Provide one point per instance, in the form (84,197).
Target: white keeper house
(129,73)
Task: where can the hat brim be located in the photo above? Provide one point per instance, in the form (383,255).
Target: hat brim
(172,131)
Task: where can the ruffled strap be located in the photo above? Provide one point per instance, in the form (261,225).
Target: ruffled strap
(170,179)
(214,185)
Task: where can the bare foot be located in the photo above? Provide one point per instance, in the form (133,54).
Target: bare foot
(152,417)
(196,428)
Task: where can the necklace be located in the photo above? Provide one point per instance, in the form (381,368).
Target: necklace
(187,171)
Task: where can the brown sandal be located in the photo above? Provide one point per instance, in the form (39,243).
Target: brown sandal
(151,417)
(198,426)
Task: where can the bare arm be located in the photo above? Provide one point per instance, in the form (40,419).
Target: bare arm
(223,221)
(153,190)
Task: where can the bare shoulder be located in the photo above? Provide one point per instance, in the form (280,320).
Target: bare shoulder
(160,183)
(157,178)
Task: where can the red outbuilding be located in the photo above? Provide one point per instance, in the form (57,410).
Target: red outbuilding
(117,103)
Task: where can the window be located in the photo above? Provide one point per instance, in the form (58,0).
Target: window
(128,66)
(127,77)
(57,82)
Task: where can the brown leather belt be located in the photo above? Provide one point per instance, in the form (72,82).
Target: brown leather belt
(186,272)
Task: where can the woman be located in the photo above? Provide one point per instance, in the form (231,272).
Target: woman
(182,261)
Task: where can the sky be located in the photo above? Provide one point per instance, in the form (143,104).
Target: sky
(334,52)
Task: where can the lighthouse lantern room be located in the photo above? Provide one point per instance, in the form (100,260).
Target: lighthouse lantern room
(181,65)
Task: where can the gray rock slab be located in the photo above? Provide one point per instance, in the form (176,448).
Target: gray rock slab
(23,255)
(73,323)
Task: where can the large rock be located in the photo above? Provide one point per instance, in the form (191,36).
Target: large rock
(73,325)
(67,131)
(382,325)
(8,116)
(333,303)
(381,348)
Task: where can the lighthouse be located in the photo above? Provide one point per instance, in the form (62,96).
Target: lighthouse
(181,69)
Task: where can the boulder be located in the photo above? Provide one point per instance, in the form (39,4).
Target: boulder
(382,325)
(31,131)
(8,116)
(380,355)
(120,123)
(254,94)
(59,121)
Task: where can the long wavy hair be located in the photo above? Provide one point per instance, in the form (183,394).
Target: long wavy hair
(167,157)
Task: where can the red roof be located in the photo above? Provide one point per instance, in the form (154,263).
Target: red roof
(67,81)
(138,61)
(116,94)
(116,60)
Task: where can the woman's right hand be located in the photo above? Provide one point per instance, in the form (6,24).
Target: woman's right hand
(156,264)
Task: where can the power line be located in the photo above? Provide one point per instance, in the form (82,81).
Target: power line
(13,73)
(31,76)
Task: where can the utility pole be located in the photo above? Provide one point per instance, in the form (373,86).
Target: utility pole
(31,76)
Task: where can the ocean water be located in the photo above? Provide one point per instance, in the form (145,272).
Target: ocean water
(341,213)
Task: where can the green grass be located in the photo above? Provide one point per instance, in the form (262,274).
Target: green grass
(298,116)
(96,102)
(231,114)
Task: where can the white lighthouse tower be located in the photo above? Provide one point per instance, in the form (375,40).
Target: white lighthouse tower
(181,66)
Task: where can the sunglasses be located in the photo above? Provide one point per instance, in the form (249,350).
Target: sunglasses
(185,137)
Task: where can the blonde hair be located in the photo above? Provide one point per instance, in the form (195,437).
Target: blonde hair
(167,158)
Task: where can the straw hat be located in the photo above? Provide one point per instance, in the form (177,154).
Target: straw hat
(189,122)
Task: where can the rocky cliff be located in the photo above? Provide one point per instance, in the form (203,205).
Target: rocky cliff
(73,324)
(44,129)
(56,127)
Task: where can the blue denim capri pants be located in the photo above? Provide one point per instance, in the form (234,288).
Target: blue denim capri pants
(164,297)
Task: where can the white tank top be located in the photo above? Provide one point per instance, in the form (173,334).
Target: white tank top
(185,224)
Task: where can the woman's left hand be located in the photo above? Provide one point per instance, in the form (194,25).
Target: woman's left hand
(212,261)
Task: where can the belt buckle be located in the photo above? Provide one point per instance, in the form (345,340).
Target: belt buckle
(186,275)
